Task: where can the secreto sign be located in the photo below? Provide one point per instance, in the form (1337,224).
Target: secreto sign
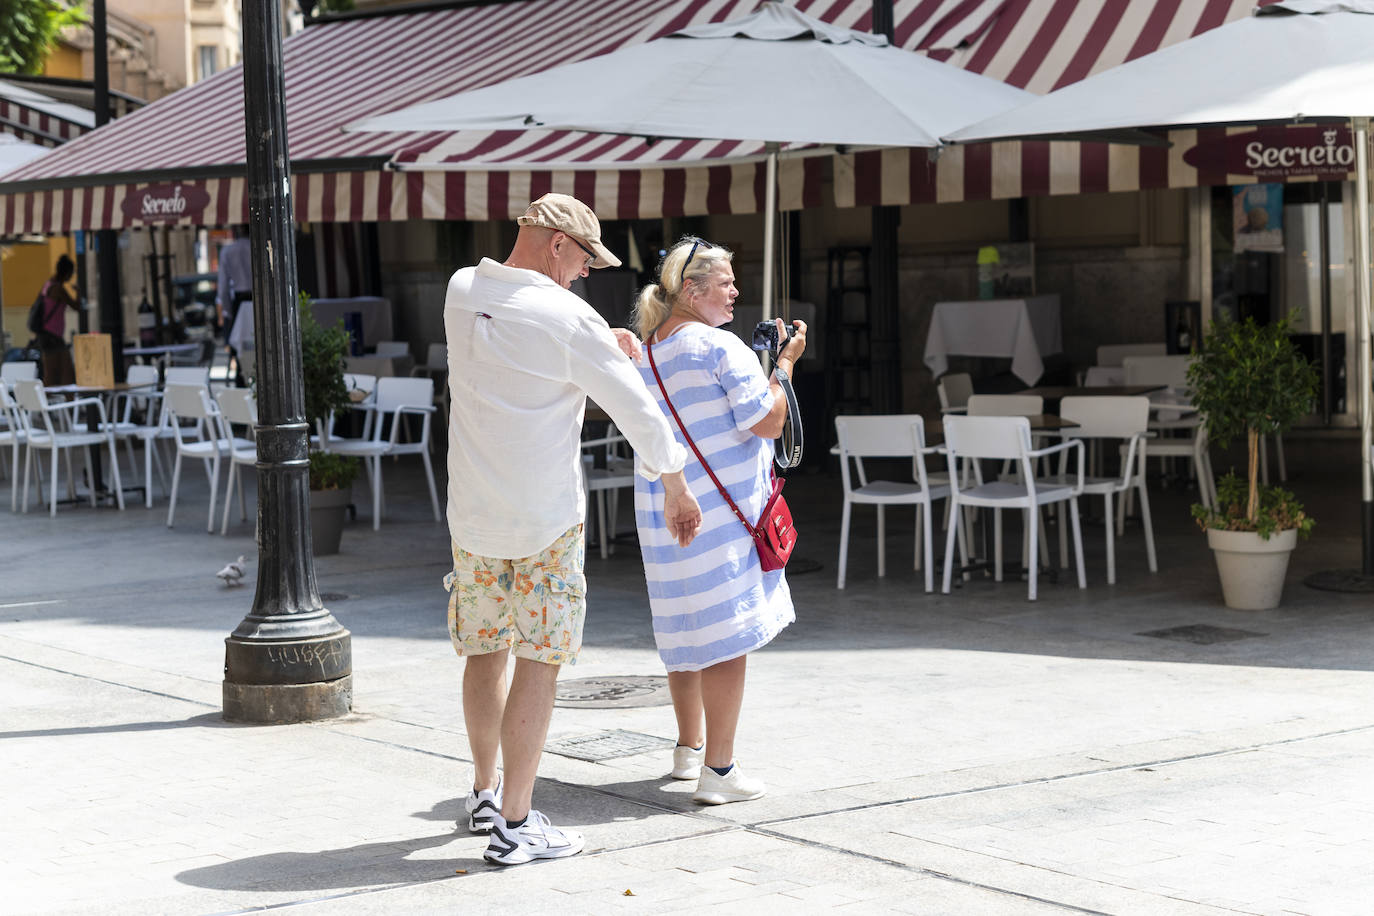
(1278,153)
(166,203)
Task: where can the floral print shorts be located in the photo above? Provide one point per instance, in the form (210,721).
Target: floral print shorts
(533,606)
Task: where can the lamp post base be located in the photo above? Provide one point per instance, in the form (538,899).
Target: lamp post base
(283,704)
(289,680)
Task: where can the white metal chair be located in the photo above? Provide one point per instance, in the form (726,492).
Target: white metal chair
(1005,405)
(18,370)
(436,367)
(396,399)
(392,348)
(10,373)
(1104,376)
(436,361)
(12,435)
(54,435)
(1111,418)
(1188,434)
(375,366)
(238,407)
(127,426)
(604,483)
(187,375)
(204,439)
(1007,438)
(1111,355)
(954,390)
(889,436)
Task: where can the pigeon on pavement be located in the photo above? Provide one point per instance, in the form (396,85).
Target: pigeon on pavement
(232,574)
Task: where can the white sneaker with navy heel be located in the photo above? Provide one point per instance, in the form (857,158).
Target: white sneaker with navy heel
(734,786)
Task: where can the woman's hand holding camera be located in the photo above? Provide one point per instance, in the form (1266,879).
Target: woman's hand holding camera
(795,346)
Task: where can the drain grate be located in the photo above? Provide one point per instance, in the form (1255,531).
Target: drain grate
(607,745)
(333,596)
(1201,634)
(613,692)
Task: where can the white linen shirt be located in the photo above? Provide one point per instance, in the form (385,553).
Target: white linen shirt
(523,355)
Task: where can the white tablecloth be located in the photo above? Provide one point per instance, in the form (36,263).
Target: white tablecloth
(1023,329)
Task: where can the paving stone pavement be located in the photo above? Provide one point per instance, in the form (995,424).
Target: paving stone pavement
(965,754)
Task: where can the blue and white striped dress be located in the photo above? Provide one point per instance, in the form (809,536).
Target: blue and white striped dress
(711,601)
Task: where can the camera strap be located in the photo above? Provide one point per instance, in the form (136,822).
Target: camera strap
(787,448)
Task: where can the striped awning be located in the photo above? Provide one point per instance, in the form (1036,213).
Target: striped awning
(181,159)
(40,119)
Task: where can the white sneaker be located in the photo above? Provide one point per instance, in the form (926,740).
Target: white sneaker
(714,789)
(687,761)
(534,839)
(482,808)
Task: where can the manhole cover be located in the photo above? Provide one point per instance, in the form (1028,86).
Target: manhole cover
(1202,634)
(1341,580)
(333,596)
(606,745)
(613,692)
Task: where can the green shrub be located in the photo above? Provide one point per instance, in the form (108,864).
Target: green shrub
(1278,510)
(332,472)
(322,364)
(1250,379)
(322,370)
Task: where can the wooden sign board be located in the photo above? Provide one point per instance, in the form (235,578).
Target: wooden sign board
(92,354)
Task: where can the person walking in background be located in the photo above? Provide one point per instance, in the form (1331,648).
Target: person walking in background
(52,340)
(712,604)
(524,354)
(235,288)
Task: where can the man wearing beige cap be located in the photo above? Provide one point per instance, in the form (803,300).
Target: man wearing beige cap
(524,354)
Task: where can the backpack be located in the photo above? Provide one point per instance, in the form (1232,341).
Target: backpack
(38,315)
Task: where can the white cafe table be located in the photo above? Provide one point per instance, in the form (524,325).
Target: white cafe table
(1024,330)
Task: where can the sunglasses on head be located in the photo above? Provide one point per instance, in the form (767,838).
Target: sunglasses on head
(696,243)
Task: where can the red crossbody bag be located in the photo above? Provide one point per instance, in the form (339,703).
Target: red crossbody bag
(774,536)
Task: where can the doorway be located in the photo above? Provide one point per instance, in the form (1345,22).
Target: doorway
(1304,272)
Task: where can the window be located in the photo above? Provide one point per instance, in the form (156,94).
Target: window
(207,60)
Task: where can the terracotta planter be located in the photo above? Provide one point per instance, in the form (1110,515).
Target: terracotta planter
(1252,569)
(328,512)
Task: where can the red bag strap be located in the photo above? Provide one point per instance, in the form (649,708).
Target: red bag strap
(682,426)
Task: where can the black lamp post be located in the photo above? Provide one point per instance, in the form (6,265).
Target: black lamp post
(106,240)
(885,367)
(289,660)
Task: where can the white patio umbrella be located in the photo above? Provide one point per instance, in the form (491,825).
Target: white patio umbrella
(775,76)
(15,152)
(1297,60)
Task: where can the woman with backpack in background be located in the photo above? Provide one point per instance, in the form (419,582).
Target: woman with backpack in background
(54,300)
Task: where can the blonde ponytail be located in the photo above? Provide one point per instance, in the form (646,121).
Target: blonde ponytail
(691,259)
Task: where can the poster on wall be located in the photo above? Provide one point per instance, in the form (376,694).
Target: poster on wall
(1006,270)
(1257,216)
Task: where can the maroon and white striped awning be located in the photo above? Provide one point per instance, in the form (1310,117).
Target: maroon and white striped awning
(181,159)
(39,119)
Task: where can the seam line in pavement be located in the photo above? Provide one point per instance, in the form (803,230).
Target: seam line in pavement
(101,680)
(944,876)
(1080,774)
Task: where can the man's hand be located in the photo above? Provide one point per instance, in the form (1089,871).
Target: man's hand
(681,513)
(629,343)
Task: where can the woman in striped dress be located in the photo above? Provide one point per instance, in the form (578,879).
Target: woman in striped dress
(712,603)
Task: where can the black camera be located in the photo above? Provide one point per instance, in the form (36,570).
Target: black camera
(766,336)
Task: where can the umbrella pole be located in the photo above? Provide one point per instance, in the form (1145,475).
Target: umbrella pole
(1360,580)
(770,207)
(1362,296)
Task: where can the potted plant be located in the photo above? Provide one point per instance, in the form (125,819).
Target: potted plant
(1251,380)
(331,476)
